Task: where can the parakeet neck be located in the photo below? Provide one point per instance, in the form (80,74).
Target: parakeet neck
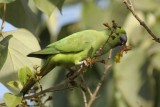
(107,46)
(106,32)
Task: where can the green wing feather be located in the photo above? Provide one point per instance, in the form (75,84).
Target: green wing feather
(74,43)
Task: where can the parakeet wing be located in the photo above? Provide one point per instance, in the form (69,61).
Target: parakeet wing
(76,42)
(72,44)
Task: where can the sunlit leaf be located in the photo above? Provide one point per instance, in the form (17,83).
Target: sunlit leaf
(12,100)
(24,74)
(15,85)
(4,50)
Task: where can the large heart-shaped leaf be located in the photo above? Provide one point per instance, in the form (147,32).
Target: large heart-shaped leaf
(21,44)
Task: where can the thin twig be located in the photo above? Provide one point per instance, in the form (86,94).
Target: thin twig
(94,95)
(87,87)
(51,89)
(84,97)
(59,85)
(142,23)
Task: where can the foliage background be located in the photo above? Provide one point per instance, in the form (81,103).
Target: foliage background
(134,82)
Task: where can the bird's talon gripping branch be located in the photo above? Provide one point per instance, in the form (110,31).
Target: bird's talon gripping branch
(83,63)
(90,61)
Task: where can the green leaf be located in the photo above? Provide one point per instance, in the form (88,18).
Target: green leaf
(58,3)
(48,6)
(6,1)
(12,100)
(20,45)
(24,74)
(20,15)
(4,50)
(15,85)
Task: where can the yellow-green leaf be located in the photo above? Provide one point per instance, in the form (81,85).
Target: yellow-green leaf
(12,100)
(24,74)
(15,85)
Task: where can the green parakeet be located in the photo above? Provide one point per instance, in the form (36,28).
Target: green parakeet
(75,48)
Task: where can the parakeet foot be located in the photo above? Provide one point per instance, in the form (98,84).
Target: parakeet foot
(83,63)
(87,62)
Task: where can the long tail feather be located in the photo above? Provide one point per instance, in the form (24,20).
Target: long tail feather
(44,71)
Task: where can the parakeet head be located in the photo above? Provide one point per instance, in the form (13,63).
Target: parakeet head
(123,37)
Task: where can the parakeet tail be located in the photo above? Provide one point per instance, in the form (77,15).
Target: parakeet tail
(42,56)
(44,70)
(47,67)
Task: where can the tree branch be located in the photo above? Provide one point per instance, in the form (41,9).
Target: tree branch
(84,98)
(130,7)
(87,87)
(58,86)
(94,95)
